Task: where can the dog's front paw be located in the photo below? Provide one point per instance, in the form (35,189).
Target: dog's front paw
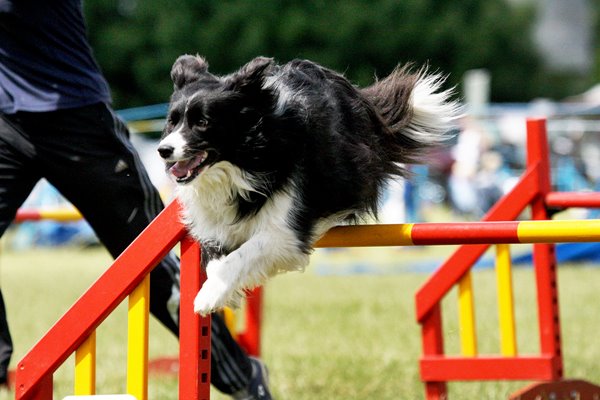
(213,296)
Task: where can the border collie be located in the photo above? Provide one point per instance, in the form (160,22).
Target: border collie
(268,158)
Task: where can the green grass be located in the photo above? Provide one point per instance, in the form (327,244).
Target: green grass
(325,337)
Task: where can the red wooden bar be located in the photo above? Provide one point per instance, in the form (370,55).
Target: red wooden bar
(28,215)
(487,368)
(573,199)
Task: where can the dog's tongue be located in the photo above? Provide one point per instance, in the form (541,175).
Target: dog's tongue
(183,169)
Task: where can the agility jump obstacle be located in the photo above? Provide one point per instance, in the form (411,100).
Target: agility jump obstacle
(128,277)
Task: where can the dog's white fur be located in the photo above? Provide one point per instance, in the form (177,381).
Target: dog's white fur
(265,244)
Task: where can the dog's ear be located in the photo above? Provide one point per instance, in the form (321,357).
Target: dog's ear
(251,76)
(187,69)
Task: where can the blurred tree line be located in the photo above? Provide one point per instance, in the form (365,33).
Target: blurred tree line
(136,41)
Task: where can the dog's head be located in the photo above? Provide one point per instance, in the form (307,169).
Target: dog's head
(212,118)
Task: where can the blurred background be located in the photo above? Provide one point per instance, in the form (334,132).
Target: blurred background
(505,59)
(530,48)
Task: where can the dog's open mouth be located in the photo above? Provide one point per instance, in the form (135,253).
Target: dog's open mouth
(186,170)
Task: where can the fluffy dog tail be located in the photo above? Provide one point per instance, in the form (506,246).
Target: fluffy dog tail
(415,111)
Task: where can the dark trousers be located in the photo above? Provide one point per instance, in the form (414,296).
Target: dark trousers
(86,154)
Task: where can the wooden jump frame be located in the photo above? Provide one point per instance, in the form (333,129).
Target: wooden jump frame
(129,272)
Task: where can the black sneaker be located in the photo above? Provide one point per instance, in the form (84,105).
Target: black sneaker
(258,388)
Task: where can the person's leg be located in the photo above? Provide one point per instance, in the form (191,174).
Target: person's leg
(98,170)
(18,171)
(18,176)
(231,370)
(6,346)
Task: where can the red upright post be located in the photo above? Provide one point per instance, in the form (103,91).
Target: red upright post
(543,254)
(194,331)
(250,338)
(433,345)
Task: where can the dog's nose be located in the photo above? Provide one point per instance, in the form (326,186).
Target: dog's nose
(165,150)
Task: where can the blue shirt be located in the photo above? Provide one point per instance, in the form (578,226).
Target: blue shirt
(46,62)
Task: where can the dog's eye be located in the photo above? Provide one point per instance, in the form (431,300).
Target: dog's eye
(173,119)
(196,118)
(201,123)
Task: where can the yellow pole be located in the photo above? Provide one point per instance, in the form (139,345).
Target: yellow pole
(466,316)
(137,340)
(385,235)
(556,231)
(61,214)
(506,313)
(230,320)
(85,367)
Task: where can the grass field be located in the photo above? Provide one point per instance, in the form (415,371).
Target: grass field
(325,337)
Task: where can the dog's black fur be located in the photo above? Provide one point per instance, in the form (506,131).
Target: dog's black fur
(304,130)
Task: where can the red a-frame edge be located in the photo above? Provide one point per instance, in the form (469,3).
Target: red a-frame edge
(33,378)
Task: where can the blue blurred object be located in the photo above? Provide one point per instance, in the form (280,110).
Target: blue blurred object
(568,252)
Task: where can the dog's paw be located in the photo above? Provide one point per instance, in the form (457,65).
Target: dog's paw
(213,296)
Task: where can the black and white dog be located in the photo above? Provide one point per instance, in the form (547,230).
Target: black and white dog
(269,158)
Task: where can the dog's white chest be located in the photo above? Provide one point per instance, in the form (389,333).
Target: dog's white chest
(211,214)
(213,221)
